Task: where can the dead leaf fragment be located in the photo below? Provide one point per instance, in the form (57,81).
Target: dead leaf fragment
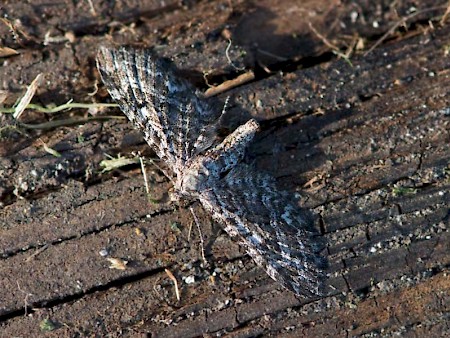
(6,51)
(3,95)
(117,263)
(26,99)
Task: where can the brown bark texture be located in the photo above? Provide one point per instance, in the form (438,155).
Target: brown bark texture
(354,102)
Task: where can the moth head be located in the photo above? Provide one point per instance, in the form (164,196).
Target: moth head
(191,181)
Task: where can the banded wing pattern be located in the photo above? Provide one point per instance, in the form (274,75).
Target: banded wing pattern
(175,122)
(268,225)
(180,127)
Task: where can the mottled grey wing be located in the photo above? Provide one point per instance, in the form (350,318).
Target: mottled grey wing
(176,123)
(269,226)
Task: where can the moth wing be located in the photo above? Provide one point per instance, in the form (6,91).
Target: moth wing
(176,123)
(270,227)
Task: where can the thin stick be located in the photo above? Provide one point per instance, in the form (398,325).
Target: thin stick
(25,301)
(398,23)
(201,235)
(190,231)
(49,150)
(175,282)
(323,38)
(37,252)
(147,189)
(447,12)
(327,43)
(68,105)
(227,85)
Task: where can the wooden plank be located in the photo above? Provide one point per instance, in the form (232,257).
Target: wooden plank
(364,146)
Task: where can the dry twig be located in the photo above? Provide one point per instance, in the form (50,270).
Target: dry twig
(227,85)
(175,282)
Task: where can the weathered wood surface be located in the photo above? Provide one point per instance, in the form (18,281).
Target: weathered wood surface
(364,145)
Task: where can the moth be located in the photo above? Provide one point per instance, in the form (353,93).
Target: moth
(181,127)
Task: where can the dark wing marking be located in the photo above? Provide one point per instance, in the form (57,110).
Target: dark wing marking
(269,226)
(176,122)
